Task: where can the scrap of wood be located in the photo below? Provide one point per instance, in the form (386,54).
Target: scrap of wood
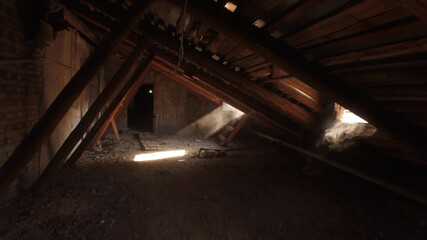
(236,129)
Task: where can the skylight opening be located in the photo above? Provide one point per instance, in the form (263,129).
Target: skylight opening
(349,117)
(346,116)
(259,23)
(230,6)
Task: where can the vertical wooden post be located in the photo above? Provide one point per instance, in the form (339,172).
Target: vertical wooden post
(78,132)
(56,111)
(114,127)
(122,107)
(134,83)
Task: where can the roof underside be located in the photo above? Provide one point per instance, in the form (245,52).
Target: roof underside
(370,56)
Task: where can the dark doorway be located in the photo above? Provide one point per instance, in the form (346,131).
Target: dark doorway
(140,111)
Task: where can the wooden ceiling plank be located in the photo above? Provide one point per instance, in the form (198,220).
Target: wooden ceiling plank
(257,66)
(377,53)
(261,109)
(107,8)
(294,63)
(300,10)
(275,12)
(80,26)
(416,62)
(294,111)
(245,59)
(418,8)
(215,44)
(340,21)
(368,40)
(360,26)
(299,96)
(264,72)
(388,78)
(304,19)
(235,97)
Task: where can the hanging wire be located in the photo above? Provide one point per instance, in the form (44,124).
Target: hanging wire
(181,43)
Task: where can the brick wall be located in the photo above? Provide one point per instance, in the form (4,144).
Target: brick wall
(34,67)
(21,83)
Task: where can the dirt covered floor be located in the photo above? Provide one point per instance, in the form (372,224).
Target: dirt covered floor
(257,193)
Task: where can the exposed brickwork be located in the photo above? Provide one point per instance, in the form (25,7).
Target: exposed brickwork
(20,84)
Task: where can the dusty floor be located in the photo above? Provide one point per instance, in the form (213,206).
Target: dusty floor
(258,193)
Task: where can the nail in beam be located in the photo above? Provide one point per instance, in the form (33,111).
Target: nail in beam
(134,83)
(61,155)
(43,129)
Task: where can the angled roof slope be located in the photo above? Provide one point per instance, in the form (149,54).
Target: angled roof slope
(369,56)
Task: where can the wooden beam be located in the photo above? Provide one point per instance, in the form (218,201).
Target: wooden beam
(249,57)
(114,127)
(163,65)
(61,155)
(293,15)
(343,24)
(309,12)
(378,53)
(134,82)
(368,40)
(236,129)
(236,98)
(293,111)
(167,70)
(31,144)
(156,33)
(80,26)
(257,67)
(287,58)
(367,177)
(417,7)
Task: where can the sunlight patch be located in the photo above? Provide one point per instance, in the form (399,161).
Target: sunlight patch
(158,155)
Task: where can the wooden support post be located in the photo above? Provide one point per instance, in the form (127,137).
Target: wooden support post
(59,159)
(114,127)
(236,129)
(122,107)
(31,144)
(134,83)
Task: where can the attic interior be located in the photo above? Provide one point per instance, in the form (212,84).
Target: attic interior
(212,119)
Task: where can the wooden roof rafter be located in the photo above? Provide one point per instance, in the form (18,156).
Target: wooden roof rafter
(213,16)
(294,63)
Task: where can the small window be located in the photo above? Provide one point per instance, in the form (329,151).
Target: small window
(346,116)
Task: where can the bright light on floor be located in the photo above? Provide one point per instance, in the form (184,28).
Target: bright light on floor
(158,155)
(349,117)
